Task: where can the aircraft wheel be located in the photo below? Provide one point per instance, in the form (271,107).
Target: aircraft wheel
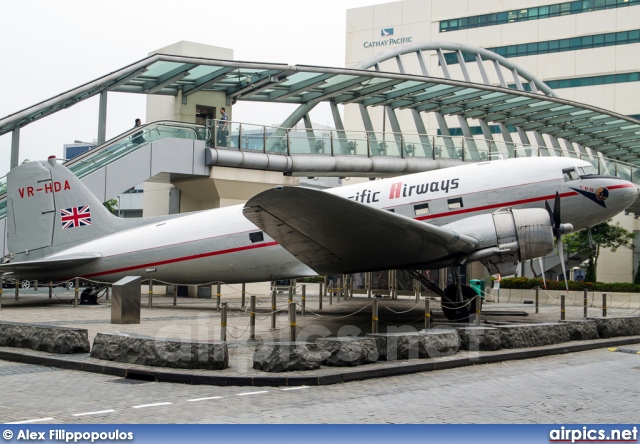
(25,284)
(69,285)
(459,311)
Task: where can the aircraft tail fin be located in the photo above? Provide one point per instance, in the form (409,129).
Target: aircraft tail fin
(49,209)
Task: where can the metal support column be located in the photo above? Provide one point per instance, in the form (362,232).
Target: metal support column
(218,295)
(150,301)
(76,289)
(320,296)
(15,147)
(427,313)
(604,305)
(562,307)
(292,322)
(585,302)
(374,317)
(17,288)
(102,117)
(537,299)
(51,290)
(244,287)
(304,298)
(223,323)
(273,307)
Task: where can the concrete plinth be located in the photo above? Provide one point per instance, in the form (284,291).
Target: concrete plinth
(610,327)
(581,329)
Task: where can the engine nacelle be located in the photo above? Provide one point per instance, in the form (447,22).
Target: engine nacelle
(508,236)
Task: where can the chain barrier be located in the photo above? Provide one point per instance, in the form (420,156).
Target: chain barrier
(402,312)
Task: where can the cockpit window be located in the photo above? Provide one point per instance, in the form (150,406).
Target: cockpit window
(570,174)
(586,171)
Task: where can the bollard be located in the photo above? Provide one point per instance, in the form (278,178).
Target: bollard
(562,310)
(223,323)
(585,302)
(427,313)
(331,294)
(478,310)
(604,305)
(304,298)
(537,298)
(17,288)
(290,294)
(374,317)
(320,296)
(273,307)
(218,297)
(1,284)
(252,318)
(150,301)
(292,322)
(51,290)
(369,284)
(76,288)
(35,285)
(244,287)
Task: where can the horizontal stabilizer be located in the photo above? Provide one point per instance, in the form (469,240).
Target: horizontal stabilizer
(332,234)
(49,264)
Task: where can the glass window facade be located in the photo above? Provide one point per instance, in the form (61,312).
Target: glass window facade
(572,44)
(540,12)
(586,81)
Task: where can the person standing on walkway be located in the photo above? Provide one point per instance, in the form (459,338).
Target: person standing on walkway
(137,137)
(222,128)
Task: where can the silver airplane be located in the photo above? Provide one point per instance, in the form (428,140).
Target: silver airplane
(496,212)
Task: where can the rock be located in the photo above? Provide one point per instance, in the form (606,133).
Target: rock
(286,357)
(47,338)
(479,338)
(610,327)
(439,342)
(394,346)
(533,335)
(581,329)
(172,353)
(347,351)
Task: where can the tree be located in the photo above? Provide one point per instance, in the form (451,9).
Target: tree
(111,205)
(605,235)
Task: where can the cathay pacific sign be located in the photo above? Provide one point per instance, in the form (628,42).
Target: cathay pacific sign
(388,39)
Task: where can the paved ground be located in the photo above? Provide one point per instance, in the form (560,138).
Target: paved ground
(594,386)
(590,387)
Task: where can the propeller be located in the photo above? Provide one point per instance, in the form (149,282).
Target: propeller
(559,229)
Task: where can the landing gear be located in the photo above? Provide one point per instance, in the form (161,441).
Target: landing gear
(25,284)
(459,310)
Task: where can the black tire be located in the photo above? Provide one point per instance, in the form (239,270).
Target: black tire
(459,311)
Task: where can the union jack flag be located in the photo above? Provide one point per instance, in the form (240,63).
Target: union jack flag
(75,217)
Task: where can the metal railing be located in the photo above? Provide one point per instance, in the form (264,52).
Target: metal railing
(326,142)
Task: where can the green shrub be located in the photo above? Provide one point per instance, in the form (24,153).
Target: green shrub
(526,284)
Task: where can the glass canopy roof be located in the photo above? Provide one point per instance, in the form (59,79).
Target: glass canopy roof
(614,135)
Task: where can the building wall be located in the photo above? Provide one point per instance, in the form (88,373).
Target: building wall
(419,21)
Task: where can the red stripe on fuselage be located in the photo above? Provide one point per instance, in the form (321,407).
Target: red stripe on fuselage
(185,258)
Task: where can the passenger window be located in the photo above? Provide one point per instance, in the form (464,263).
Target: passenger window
(256,237)
(570,174)
(454,204)
(421,209)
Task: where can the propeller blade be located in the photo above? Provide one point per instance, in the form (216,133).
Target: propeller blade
(544,280)
(564,269)
(546,205)
(556,213)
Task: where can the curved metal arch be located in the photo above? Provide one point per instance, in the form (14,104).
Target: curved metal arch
(453,46)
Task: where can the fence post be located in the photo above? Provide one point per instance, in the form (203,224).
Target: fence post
(273,307)
(585,302)
(51,290)
(292,321)
(369,281)
(427,313)
(374,317)
(175,295)
(244,287)
(290,294)
(604,304)
(320,296)
(537,298)
(35,285)
(1,284)
(223,323)
(150,302)
(478,310)
(562,309)
(252,318)
(304,298)
(17,288)
(330,291)
(76,290)
(218,295)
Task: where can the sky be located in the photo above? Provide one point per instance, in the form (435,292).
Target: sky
(50,46)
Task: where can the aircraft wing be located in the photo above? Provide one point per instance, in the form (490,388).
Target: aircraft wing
(53,263)
(332,234)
